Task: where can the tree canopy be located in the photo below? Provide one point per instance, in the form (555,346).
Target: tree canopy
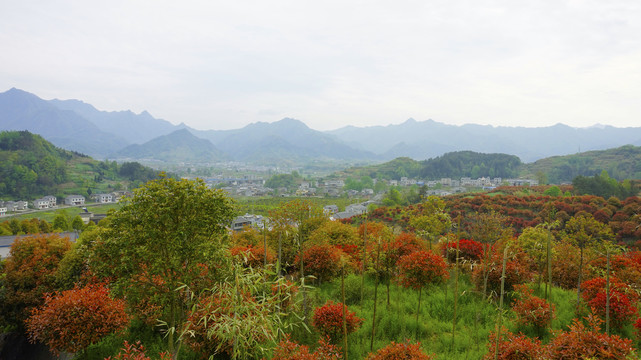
(169,233)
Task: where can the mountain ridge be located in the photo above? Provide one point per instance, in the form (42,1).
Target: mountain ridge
(79,126)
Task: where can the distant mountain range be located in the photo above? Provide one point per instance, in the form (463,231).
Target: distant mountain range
(427,139)
(75,125)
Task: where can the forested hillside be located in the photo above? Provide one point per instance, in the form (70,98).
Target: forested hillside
(452,165)
(471,164)
(620,163)
(31,167)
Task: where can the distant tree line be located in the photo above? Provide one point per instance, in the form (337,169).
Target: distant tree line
(604,186)
(471,164)
(451,165)
(283,180)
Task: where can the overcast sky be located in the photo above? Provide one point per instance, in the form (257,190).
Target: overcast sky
(225,64)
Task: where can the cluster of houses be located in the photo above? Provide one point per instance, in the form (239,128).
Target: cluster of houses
(254,186)
(259,222)
(50,201)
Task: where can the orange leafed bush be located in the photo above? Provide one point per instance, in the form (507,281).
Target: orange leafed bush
(290,350)
(400,351)
(421,268)
(581,342)
(321,261)
(623,299)
(328,320)
(74,319)
(29,272)
(514,346)
(135,352)
(531,309)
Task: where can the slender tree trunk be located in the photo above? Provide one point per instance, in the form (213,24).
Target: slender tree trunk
(280,254)
(344,312)
(363,262)
(236,301)
(456,275)
(265,242)
(172,325)
(548,261)
(302,268)
(387,271)
(378,253)
(486,269)
(387,285)
(578,287)
(418,309)
(500,320)
(607,294)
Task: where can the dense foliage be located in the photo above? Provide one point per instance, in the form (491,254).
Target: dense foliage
(30,165)
(168,234)
(604,186)
(328,320)
(621,163)
(471,164)
(72,320)
(400,351)
(166,255)
(29,273)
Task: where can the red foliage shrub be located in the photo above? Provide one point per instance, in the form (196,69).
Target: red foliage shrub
(403,244)
(625,267)
(328,320)
(580,342)
(400,351)
(74,319)
(532,310)
(637,328)
(622,299)
(422,268)
(514,346)
(290,350)
(565,266)
(136,352)
(468,250)
(254,255)
(321,261)
(29,272)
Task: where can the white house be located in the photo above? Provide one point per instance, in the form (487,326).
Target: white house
(3,211)
(330,209)
(41,204)
(52,200)
(103,198)
(75,200)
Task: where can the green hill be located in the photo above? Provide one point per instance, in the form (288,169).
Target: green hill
(453,165)
(179,146)
(31,167)
(620,163)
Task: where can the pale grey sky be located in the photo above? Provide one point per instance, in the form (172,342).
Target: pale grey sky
(225,64)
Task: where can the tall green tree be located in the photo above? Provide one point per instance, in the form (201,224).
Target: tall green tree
(432,220)
(584,232)
(169,233)
(305,217)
